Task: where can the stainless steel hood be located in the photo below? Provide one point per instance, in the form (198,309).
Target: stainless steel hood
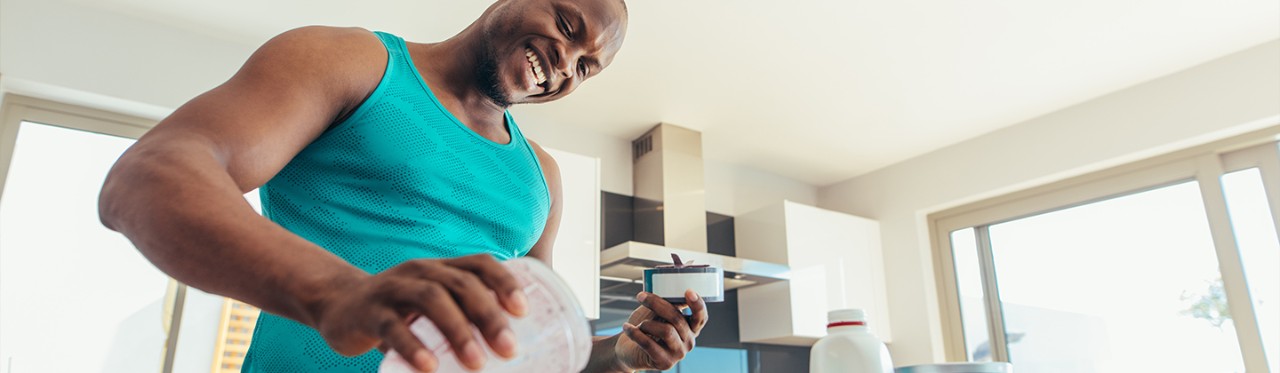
(671,199)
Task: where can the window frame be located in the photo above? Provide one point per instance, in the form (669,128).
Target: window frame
(16,109)
(1204,164)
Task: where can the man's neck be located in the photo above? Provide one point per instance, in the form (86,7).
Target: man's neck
(450,68)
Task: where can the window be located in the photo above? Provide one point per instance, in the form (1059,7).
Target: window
(1114,282)
(1255,231)
(969,283)
(1119,270)
(64,277)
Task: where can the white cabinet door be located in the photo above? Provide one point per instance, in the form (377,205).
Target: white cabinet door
(576,254)
(835,262)
(848,248)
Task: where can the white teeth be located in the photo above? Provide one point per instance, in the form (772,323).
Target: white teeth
(537,67)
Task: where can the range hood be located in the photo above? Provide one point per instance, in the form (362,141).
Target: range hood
(670,210)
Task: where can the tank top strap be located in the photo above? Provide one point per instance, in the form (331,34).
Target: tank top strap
(517,136)
(397,53)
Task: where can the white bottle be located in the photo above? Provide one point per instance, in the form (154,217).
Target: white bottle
(849,347)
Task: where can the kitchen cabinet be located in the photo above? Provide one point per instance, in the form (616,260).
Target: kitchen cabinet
(836,262)
(576,252)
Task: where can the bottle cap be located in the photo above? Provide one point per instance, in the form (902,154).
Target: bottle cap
(846,317)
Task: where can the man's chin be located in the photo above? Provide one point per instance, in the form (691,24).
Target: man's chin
(490,83)
(496,94)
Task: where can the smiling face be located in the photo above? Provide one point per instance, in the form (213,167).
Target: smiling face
(540,50)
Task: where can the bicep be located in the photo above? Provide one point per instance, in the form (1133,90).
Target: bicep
(283,98)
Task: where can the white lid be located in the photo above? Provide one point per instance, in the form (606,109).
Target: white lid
(846,315)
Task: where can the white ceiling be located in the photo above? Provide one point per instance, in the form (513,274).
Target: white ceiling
(818,90)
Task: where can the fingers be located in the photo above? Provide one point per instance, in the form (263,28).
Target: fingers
(699,308)
(481,307)
(667,335)
(436,303)
(454,300)
(667,312)
(498,278)
(640,315)
(659,357)
(459,296)
(396,336)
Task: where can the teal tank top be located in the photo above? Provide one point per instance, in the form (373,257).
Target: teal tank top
(401,178)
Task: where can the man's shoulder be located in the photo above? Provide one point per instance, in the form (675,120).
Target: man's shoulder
(549,165)
(346,62)
(326,33)
(340,42)
(542,154)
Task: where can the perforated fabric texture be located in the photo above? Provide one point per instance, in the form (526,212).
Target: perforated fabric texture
(400,179)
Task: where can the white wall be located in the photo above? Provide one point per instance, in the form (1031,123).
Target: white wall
(1227,96)
(735,189)
(135,62)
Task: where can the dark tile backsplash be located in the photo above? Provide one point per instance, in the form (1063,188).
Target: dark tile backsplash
(647,221)
(777,359)
(616,225)
(626,218)
(720,234)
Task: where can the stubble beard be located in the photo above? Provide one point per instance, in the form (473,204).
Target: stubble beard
(487,75)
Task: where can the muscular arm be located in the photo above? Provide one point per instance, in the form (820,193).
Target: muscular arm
(177,193)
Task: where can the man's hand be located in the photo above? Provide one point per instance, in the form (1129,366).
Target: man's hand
(657,335)
(453,293)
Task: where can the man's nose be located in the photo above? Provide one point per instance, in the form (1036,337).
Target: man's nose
(568,56)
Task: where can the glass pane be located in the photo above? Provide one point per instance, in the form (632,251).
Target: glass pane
(973,313)
(1259,250)
(74,296)
(1116,286)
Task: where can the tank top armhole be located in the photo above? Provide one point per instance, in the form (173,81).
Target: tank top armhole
(518,135)
(388,44)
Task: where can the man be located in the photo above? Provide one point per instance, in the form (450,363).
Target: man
(392,177)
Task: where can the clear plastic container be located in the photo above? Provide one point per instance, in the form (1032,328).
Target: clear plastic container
(553,336)
(849,347)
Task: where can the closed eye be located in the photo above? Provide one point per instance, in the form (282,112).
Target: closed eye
(565,28)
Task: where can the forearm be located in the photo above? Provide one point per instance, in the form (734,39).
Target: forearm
(186,215)
(603,359)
